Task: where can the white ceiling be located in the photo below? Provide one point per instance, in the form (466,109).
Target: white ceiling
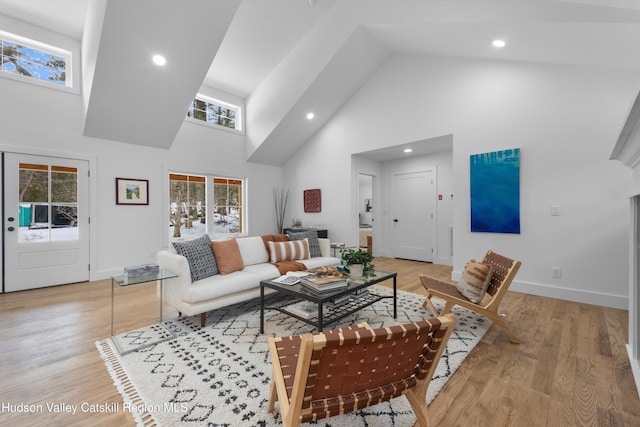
(261,46)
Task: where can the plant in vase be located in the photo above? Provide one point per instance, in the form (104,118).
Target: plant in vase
(357,262)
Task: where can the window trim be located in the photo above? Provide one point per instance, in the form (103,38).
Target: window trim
(238,109)
(50,49)
(209,179)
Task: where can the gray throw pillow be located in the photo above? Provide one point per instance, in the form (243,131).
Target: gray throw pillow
(199,254)
(312,235)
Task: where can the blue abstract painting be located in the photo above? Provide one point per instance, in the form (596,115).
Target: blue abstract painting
(495,192)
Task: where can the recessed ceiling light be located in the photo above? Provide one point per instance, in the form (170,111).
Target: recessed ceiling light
(408,150)
(159,60)
(499,43)
(310,116)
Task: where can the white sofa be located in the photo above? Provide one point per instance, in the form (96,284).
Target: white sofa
(221,290)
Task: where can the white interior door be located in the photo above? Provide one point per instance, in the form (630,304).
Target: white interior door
(46,221)
(413,215)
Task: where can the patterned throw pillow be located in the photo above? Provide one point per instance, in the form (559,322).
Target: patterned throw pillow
(288,251)
(312,236)
(199,254)
(475,280)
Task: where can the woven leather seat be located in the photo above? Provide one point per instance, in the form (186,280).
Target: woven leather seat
(335,372)
(504,270)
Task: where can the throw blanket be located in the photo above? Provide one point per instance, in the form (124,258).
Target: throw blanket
(284,266)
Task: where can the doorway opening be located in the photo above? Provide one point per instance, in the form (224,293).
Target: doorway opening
(365,211)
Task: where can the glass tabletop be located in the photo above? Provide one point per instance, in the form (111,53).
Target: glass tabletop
(125,280)
(374,277)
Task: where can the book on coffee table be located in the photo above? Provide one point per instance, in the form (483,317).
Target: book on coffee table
(287,279)
(322,284)
(304,309)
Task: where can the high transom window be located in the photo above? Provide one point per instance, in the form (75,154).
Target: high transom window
(215,112)
(34,60)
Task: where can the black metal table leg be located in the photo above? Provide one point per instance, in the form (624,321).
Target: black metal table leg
(261,309)
(395,298)
(320,323)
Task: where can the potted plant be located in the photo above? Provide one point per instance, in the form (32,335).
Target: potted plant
(357,262)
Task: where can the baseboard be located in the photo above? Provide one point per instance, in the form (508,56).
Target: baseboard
(576,295)
(105,274)
(443,261)
(635,368)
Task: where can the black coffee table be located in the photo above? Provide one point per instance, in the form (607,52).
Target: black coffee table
(323,299)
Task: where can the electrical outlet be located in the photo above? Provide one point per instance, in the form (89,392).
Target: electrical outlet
(556,272)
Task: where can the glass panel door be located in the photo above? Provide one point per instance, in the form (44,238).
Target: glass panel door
(48,197)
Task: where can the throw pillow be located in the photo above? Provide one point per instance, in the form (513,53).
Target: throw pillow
(266,238)
(288,251)
(228,255)
(312,236)
(199,255)
(475,280)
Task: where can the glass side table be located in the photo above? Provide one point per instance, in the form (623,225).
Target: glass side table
(337,248)
(144,337)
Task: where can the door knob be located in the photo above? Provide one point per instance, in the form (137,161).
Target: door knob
(395,220)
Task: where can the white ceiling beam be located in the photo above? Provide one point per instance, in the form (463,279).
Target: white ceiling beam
(131,99)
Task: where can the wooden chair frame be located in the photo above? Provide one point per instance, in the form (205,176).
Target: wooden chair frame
(504,270)
(336,372)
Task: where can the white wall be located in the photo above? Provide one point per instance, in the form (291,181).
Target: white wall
(34,119)
(565,120)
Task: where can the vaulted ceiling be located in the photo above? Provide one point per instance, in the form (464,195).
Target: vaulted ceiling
(288,57)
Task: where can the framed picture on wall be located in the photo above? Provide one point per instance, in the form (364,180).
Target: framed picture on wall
(312,200)
(132,191)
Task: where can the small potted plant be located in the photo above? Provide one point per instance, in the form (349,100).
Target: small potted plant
(357,262)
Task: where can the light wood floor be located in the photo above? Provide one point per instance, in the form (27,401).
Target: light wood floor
(571,369)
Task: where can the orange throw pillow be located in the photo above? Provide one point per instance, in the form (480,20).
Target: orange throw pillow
(228,255)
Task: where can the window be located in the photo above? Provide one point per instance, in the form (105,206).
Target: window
(34,60)
(188,205)
(227,194)
(189,196)
(215,112)
(48,209)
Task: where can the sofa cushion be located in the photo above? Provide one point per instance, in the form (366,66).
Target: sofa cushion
(475,280)
(220,286)
(266,271)
(312,236)
(316,262)
(252,250)
(288,251)
(199,255)
(228,255)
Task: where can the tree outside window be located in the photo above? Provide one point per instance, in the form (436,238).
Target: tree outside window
(187,205)
(227,194)
(34,63)
(188,213)
(215,112)
(48,200)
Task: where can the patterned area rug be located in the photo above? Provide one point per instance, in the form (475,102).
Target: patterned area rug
(141,338)
(219,375)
